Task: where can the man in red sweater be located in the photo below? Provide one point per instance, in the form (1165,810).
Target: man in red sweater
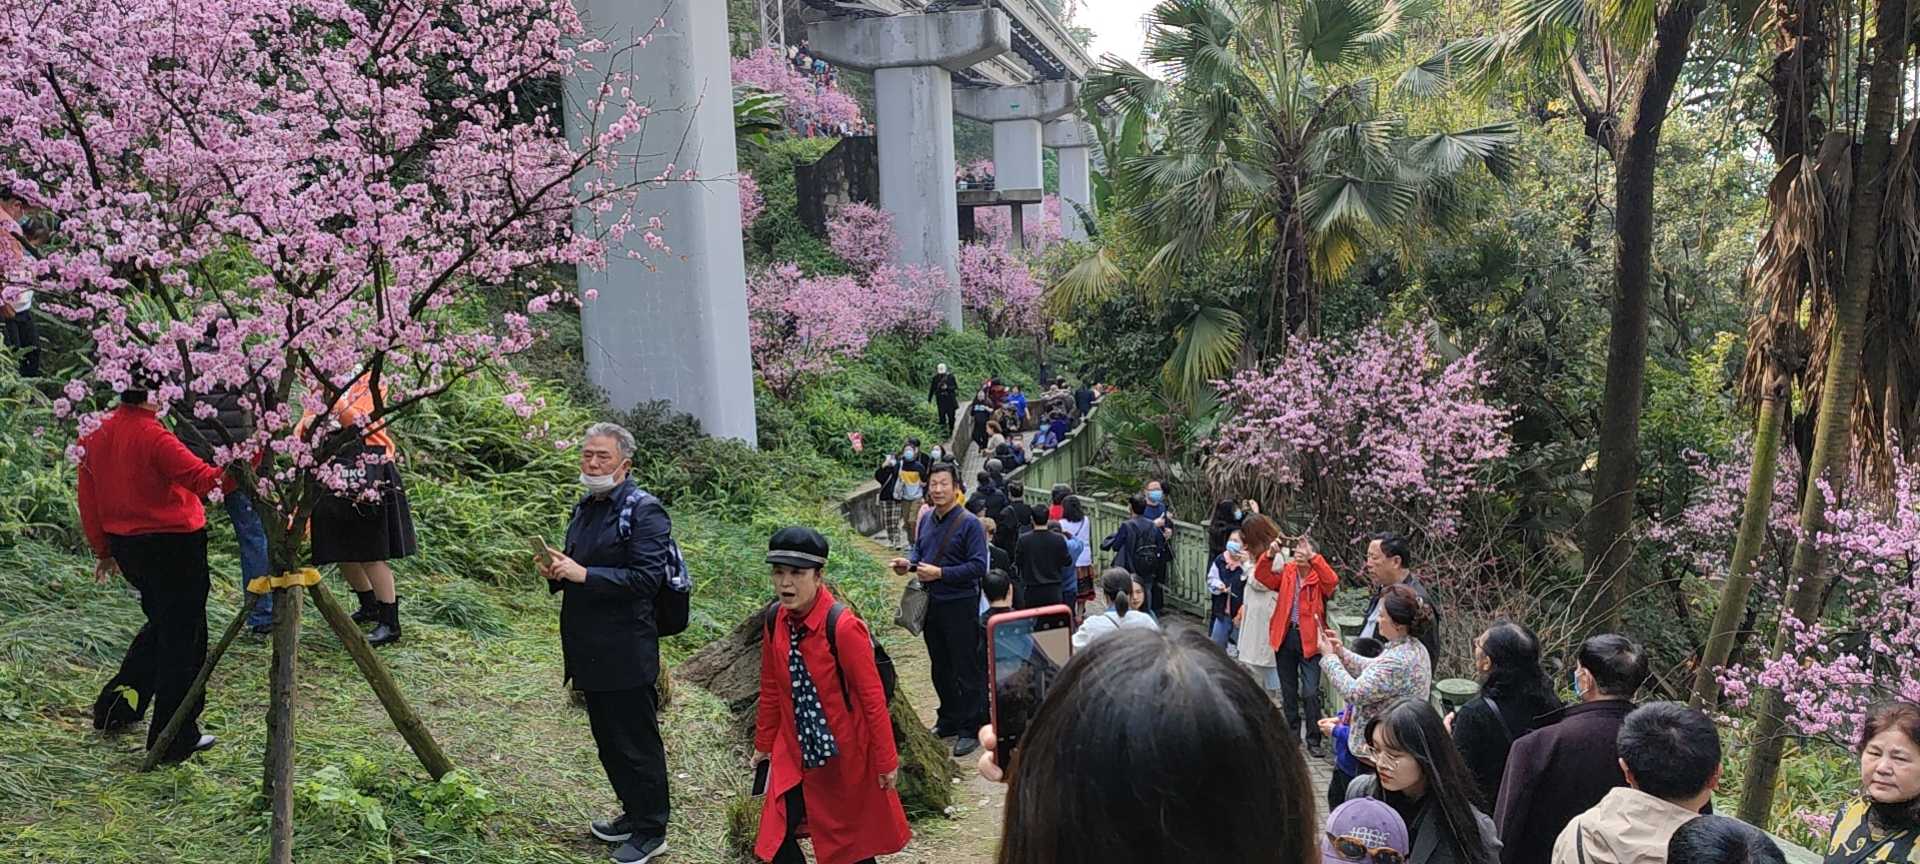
(140,492)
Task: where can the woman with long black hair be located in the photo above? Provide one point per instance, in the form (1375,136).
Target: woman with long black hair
(1514,693)
(1422,777)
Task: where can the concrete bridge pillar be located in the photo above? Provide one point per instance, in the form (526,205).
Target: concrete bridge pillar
(1017,114)
(675,330)
(913,58)
(1072,142)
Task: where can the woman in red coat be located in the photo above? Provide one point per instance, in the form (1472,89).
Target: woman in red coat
(822,721)
(1303,586)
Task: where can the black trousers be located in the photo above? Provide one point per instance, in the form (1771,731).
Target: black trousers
(170,572)
(789,852)
(626,729)
(23,334)
(1301,703)
(952,632)
(948,408)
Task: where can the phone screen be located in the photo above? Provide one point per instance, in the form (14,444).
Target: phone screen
(760,774)
(1028,652)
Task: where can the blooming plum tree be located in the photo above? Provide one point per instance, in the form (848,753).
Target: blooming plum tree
(752,202)
(802,324)
(277,198)
(811,103)
(999,289)
(1376,425)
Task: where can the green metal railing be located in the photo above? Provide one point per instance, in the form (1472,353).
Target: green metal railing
(1186,574)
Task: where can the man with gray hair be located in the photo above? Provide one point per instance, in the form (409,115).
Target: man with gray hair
(621,579)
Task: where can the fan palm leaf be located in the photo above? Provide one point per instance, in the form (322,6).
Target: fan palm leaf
(1204,349)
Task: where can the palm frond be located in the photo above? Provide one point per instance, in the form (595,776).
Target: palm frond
(1124,86)
(1446,153)
(1334,200)
(1088,283)
(1204,349)
(1331,32)
(1429,77)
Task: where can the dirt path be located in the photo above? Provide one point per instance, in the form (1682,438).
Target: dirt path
(971,833)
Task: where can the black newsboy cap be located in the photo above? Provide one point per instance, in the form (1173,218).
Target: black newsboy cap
(797,546)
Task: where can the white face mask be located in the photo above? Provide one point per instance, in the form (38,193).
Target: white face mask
(599,485)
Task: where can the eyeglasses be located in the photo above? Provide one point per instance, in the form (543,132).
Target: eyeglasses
(1350,849)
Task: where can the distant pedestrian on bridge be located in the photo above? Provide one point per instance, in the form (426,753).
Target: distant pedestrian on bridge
(944,391)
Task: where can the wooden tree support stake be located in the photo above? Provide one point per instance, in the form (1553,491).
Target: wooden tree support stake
(198,689)
(418,738)
(283,677)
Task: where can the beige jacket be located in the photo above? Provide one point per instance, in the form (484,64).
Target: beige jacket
(1626,827)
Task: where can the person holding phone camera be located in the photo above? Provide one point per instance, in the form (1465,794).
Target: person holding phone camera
(619,555)
(950,556)
(822,725)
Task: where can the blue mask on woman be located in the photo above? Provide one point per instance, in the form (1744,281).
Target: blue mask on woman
(1233,546)
(1237,515)
(1156,496)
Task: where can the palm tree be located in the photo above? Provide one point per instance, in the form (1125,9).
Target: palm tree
(1275,148)
(1885,175)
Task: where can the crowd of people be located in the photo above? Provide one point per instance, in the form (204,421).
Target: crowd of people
(1155,722)
(825,76)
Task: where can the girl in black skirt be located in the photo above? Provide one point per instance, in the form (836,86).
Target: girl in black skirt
(362,535)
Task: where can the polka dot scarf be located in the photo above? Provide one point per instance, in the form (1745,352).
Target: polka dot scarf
(809,719)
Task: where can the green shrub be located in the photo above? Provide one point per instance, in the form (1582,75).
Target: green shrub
(779,235)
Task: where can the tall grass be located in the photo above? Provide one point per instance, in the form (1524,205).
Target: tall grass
(480,661)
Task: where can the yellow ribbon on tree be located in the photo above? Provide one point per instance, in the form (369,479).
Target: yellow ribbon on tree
(301,578)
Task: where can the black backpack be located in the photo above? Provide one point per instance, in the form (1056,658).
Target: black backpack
(1148,554)
(881,660)
(673,605)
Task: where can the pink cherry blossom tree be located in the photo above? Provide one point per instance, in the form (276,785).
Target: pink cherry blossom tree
(279,197)
(995,224)
(752,202)
(811,102)
(804,324)
(1374,426)
(1000,291)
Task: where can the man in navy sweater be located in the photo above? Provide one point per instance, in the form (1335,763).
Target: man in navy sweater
(950,555)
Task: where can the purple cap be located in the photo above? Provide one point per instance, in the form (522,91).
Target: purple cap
(1369,821)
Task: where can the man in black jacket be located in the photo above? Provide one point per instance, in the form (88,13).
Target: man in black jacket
(945,392)
(231,424)
(1576,759)
(1014,519)
(618,555)
(1140,547)
(1389,563)
(1041,560)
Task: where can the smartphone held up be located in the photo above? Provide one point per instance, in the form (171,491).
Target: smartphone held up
(1026,652)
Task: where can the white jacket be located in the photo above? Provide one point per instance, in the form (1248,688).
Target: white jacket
(1108,622)
(1256,615)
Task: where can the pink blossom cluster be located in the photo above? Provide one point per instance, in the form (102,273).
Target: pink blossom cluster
(752,203)
(811,101)
(998,289)
(995,224)
(802,325)
(1867,647)
(1702,533)
(281,197)
(1377,420)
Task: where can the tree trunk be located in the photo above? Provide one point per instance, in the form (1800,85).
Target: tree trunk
(1795,131)
(279,774)
(1609,544)
(1731,612)
(1833,442)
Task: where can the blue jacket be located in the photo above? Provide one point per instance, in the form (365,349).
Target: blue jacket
(963,559)
(607,634)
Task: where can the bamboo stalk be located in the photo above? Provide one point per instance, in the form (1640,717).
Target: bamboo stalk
(404,719)
(197,690)
(286,648)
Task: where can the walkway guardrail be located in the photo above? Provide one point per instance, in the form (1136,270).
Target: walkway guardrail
(1187,573)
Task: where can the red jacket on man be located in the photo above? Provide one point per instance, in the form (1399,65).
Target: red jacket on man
(137,478)
(849,816)
(1321,581)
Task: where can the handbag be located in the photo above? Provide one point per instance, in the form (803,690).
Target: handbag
(914,598)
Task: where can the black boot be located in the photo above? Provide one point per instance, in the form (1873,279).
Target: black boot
(369,611)
(387,628)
